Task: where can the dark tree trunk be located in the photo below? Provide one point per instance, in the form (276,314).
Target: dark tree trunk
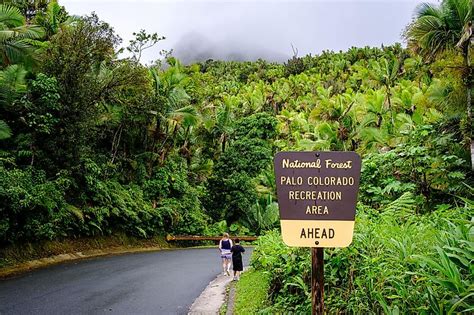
(224,140)
(468,79)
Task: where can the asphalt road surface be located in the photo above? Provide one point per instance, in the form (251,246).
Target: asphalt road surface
(163,282)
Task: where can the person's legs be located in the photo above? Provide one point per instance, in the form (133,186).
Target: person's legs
(224,265)
(228,266)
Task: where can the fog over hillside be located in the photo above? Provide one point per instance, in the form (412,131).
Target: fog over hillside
(196,47)
(247,30)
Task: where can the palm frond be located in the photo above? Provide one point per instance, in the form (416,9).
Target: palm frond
(11,16)
(17,51)
(439,27)
(177,97)
(185,116)
(371,136)
(5,131)
(12,83)
(28,31)
(14,77)
(428,9)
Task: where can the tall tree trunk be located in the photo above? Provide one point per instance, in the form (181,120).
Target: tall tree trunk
(389,96)
(469,123)
(468,78)
(116,142)
(224,140)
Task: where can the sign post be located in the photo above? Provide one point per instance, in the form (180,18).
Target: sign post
(317,195)
(317,280)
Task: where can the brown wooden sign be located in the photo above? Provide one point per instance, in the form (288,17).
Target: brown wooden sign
(317,196)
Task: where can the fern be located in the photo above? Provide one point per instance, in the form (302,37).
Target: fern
(76,211)
(405,204)
(5,131)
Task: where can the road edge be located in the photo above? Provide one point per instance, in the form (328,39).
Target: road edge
(215,296)
(25,267)
(212,298)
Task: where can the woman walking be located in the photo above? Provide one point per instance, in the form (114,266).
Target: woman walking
(225,244)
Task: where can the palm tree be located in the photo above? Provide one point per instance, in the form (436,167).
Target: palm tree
(447,26)
(12,84)
(54,18)
(174,112)
(16,38)
(224,120)
(28,8)
(385,72)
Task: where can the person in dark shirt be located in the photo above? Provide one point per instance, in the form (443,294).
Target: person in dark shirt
(237,264)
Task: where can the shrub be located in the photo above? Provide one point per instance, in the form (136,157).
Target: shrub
(398,262)
(31,206)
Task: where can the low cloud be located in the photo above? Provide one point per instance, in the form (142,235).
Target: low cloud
(194,47)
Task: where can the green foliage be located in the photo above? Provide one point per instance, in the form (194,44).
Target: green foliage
(217,229)
(427,165)
(232,192)
(91,144)
(126,208)
(260,126)
(251,292)
(294,66)
(70,57)
(230,198)
(398,261)
(12,84)
(119,208)
(5,131)
(286,267)
(439,27)
(32,207)
(249,155)
(43,104)
(51,18)
(17,37)
(447,28)
(263,215)
(451,270)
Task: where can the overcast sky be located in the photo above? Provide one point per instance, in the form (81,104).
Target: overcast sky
(247,30)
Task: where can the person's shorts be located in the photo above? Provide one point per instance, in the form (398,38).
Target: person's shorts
(226,256)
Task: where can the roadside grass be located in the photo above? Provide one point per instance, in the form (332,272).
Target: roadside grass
(224,307)
(251,292)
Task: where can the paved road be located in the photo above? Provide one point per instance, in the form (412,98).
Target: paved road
(164,282)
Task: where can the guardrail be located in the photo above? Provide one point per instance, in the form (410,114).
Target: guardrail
(206,238)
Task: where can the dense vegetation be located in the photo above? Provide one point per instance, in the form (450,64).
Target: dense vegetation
(92,143)
(399,263)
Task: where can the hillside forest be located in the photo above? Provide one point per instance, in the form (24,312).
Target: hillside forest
(93,143)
